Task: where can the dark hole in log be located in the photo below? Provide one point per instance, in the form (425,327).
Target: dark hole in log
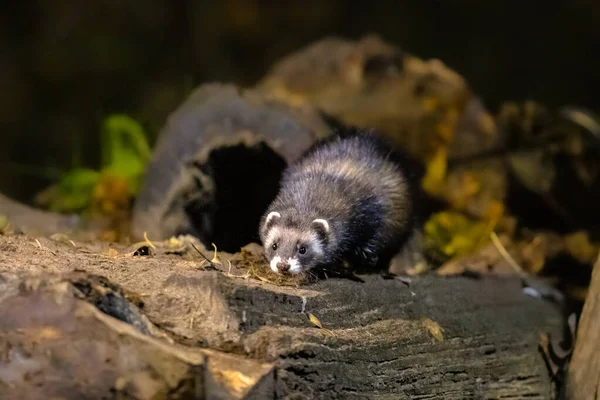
(384,64)
(246,181)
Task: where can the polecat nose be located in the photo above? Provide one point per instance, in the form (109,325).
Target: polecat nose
(283,266)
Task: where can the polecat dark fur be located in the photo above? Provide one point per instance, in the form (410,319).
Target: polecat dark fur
(346,200)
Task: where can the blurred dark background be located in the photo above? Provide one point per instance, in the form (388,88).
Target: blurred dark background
(66,64)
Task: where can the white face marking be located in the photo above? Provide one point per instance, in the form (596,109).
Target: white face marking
(310,238)
(322,222)
(294,265)
(274,262)
(273,232)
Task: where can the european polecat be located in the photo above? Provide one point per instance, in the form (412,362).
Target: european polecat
(346,200)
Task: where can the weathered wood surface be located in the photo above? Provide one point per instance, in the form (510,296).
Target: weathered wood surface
(55,345)
(584,368)
(438,338)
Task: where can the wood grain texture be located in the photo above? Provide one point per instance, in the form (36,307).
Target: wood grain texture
(584,368)
(439,338)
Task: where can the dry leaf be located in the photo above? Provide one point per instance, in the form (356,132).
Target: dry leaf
(579,246)
(315,320)
(433,328)
(437,168)
(112,252)
(418,269)
(534,169)
(462,185)
(534,254)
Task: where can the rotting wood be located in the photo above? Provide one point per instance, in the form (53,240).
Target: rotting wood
(372,83)
(54,345)
(222,141)
(451,338)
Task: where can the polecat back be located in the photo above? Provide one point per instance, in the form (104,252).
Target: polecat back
(346,200)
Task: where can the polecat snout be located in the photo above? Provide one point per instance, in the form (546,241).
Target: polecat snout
(345,200)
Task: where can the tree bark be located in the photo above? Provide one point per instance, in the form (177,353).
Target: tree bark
(584,368)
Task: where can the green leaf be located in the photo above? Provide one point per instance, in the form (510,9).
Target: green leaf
(74,190)
(125,149)
(125,153)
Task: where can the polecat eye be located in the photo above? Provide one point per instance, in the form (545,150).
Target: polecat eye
(302,250)
(274,246)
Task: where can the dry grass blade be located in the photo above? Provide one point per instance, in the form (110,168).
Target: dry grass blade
(511,261)
(262,278)
(148,241)
(215,259)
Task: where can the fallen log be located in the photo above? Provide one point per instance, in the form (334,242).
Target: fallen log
(423,106)
(371,83)
(54,345)
(219,146)
(223,143)
(35,221)
(436,337)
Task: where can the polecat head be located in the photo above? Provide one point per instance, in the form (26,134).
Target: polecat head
(291,245)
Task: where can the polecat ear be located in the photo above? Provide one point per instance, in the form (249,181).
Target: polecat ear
(321,226)
(271,218)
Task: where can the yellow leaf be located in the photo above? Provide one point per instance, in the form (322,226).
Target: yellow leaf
(579,246)
(445,129)
(435,176)
(453,234)
(430,104)
(112,252)
(315,320)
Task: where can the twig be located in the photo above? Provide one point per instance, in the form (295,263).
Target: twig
(502,250)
